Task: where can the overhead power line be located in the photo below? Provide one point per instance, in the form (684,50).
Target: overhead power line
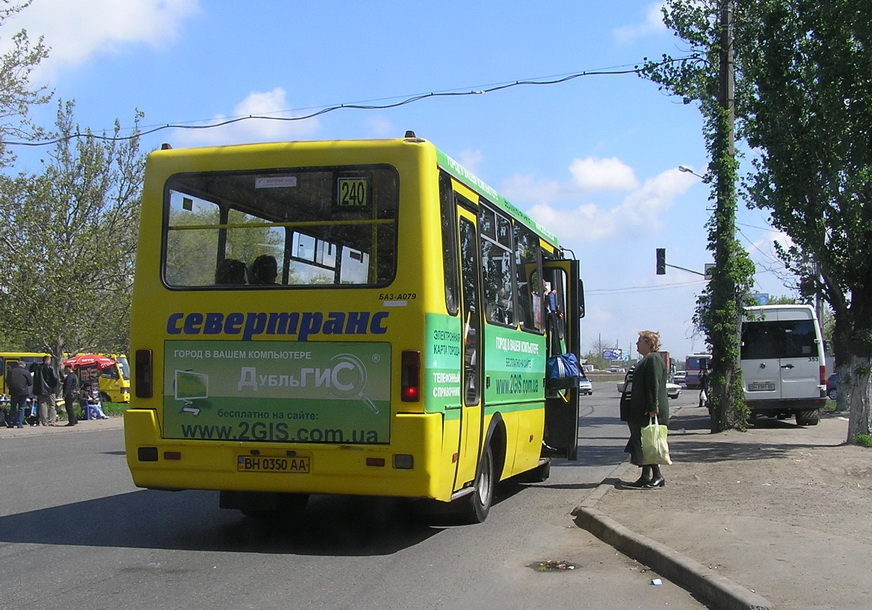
(541,81)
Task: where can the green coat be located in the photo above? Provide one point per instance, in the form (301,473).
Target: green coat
(649,391)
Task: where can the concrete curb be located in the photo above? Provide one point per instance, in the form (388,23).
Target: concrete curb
(718,590)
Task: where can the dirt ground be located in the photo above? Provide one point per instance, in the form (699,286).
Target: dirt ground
(784,510)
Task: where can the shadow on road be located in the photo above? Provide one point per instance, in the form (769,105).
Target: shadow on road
(191,520)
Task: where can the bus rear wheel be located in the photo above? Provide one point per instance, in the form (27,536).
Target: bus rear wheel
(478,503)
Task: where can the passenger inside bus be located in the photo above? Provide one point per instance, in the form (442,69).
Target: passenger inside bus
(264,270)
(230,271)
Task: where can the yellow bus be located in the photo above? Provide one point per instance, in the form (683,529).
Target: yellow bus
(9,360)
(343,317)
(114,382)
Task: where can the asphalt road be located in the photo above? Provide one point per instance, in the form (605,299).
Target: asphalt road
(76,533)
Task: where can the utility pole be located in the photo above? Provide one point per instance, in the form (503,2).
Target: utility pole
(723,319)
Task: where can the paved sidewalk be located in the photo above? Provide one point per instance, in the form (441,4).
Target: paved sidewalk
(776,517)
(114,421)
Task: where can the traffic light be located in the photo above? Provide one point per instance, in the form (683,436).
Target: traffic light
(661,261)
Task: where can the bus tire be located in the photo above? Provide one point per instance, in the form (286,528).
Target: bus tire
(478,503)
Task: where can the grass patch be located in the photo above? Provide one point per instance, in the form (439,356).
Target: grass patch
(115,408)
(864,440)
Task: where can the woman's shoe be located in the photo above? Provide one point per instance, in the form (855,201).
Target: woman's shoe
(658,482)
(641,482)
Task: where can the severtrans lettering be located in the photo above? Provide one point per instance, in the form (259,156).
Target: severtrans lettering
(282,324)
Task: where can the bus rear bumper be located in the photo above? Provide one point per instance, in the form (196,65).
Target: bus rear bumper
(373,470)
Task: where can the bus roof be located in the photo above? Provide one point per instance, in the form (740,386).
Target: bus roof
(477,184)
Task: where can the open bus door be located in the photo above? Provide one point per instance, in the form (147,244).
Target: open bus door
(562,407)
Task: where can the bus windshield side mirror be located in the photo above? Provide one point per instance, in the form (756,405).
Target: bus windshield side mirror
(580,298)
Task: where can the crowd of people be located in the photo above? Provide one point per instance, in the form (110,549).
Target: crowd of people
(32,391)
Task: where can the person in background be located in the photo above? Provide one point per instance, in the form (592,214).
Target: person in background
(19,382)
(648,399)
(45,384)
(703,384)
(91,403)
(71,393)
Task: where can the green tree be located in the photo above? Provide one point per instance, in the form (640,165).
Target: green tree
(810,117)
(706,80)
(69,261)
(17,96)
(16,93)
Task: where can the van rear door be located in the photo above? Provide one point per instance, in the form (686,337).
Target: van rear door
(780,356)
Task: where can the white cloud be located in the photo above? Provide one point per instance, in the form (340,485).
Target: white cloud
(639,211)
(270,103)
(520,188)
(586,175)
(78,29)
(653,23)
(382,127)
(471,159)
(593,174)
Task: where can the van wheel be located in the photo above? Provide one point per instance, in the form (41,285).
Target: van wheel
(478,503)
(808,418)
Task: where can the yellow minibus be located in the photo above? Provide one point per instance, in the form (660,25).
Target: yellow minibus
(344,317)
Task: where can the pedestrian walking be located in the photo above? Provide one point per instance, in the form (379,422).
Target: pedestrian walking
(648,398)
(45,384)
(703,384)
(71,394)
(19,382)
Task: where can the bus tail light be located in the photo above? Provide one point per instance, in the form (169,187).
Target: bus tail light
(144,371)
(823,372)
(411,376)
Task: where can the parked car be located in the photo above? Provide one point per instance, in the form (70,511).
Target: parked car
(679,376)
(833,386)
(584,385)
(673,390)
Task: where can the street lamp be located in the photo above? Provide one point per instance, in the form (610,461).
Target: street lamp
(687,170)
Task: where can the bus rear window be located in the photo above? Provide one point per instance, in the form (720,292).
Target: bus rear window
(289,227)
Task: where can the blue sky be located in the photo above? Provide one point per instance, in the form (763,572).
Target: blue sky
(594,158)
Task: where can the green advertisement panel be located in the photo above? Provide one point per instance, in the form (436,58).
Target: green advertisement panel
(442,379)
(277,391)
(515,364)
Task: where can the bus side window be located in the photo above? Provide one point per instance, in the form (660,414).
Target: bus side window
(449,243)
(528,279)
(496,261)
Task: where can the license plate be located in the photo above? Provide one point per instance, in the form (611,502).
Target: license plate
(766,386)
(261,463)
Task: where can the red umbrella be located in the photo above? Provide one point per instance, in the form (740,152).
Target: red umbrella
(101,362)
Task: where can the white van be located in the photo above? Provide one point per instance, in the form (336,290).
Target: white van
(782,359)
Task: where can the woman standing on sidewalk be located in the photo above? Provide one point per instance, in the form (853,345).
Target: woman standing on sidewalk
(648,398)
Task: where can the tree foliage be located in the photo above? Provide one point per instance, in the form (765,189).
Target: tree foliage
(804,106)
(69,259)
(810,117)
(16,93)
